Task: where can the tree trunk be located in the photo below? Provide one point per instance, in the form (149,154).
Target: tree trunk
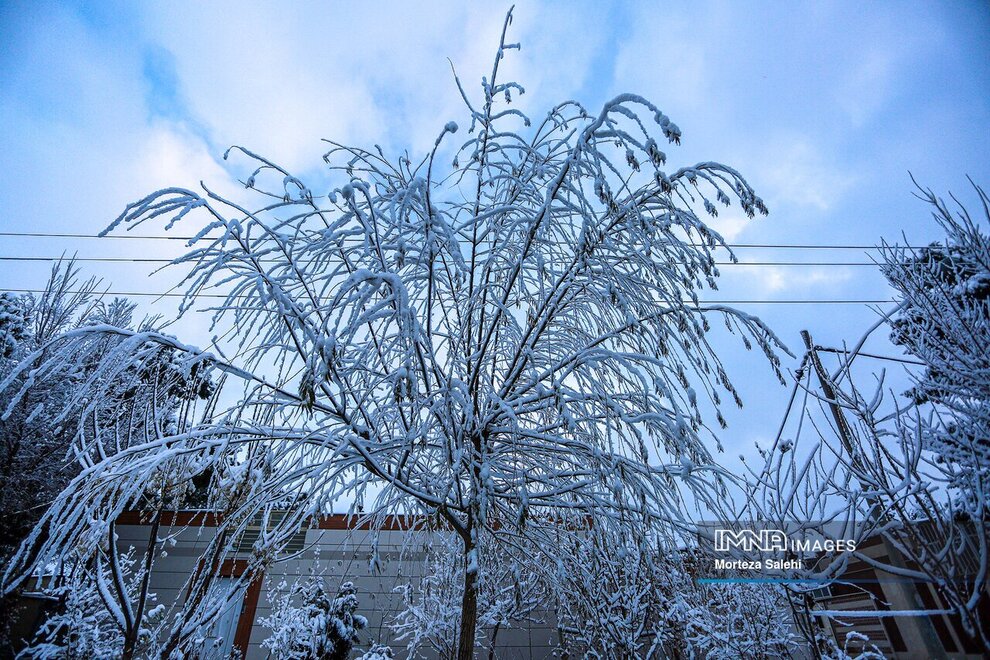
(129,647)
(491,647)
(469,608)
(131,640)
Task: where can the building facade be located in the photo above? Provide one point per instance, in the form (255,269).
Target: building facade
(864,589)
(334,547)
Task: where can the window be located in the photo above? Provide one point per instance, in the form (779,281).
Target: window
(220,636)
(231,631)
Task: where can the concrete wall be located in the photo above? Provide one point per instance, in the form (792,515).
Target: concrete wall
(339,555)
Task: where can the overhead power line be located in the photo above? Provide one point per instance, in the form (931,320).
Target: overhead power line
(871,355)
(771,246)
(152,260)
(176,294)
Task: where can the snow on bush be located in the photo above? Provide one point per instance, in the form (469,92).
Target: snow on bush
(377,652)
(511,593)
(307,622)
(89,621)
(626,595)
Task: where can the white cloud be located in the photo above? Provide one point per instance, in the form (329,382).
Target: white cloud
(667,54)
(730,225)
(816,281)
(278,81)
(795,173)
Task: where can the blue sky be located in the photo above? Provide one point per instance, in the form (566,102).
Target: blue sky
(824,107)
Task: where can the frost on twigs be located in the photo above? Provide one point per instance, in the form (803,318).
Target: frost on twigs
(915,467)
(308,622)
(513,343)
(625,593)
(83,626)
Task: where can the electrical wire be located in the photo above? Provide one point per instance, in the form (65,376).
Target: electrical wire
(773,246)
(172,294)
(167,261)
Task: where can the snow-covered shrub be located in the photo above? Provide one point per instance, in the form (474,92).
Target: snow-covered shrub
(377,652)
(308,623)
(89,619)
(610,594)
(625,596)
(728,621)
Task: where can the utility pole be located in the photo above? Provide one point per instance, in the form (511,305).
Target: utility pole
(903,591)
(845,434)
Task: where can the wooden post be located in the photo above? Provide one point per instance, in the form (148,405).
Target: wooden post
(905,592)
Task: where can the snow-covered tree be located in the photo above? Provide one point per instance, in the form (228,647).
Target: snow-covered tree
(914,471)
(51,430)
(35,454)
(518,336)
(34,462)
(36,451)
(944,321)
(308,623)
(15,319)
(512,591)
